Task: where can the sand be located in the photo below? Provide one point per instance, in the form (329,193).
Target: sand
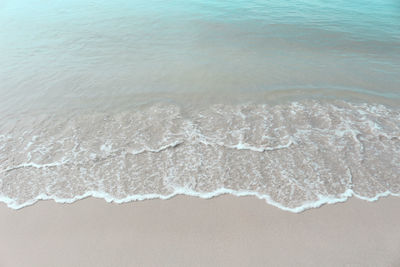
(187,231)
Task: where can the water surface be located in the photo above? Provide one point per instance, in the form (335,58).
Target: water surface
(296,102)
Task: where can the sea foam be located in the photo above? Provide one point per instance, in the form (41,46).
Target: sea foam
(295,155)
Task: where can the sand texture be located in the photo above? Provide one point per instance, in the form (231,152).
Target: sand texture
(187,231)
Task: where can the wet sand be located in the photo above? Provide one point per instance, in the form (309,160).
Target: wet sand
(187,231)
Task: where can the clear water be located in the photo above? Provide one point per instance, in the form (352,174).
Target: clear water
(131,100)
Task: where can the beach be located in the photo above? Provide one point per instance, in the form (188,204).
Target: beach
(221,133)
(187,231)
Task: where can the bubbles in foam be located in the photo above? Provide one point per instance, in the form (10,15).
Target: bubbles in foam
(294,155)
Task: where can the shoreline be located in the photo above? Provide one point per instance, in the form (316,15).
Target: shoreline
(297,156)
(187,231)
(322,201)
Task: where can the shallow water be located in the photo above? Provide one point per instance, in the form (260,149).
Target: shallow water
(297,102)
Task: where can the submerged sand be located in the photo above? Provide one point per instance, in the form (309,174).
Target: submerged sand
(188,231)
(295,155)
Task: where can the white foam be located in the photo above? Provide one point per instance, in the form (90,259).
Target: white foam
(35,165)
(242,146)
(148,149)
(322,200)
(245,145)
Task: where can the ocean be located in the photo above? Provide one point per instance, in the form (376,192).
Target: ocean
(294,102)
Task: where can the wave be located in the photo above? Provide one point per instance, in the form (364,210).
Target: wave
(296,155)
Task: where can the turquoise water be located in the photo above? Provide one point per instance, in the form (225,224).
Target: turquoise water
(376,19)
(63,51)
(294,102)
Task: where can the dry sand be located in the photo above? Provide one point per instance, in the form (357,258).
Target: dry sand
(187,231)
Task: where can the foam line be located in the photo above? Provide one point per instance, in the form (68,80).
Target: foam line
(322,200)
